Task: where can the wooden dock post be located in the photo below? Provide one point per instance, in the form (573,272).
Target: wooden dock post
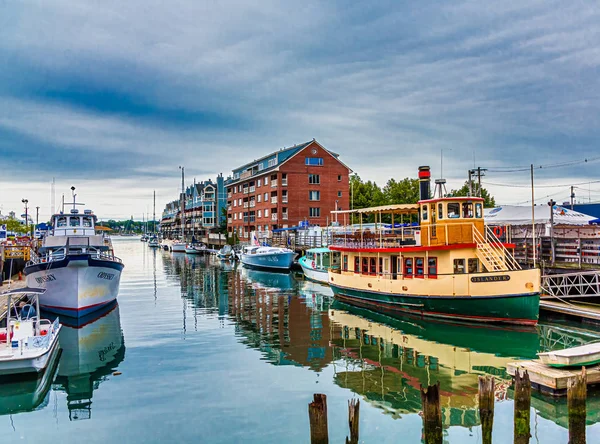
(432,414)
(317,416)
(353,411)
(522,407)
(576,399)
(486,407)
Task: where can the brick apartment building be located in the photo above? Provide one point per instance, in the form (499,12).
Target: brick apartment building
(297,185)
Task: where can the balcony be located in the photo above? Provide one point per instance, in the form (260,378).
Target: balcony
(228,207)
(252,204)
(284,182)
(274,216)
(252,189)
(245,191)
(245,204)
(284,199)
(229,220)
(273,184)
(284,216)
(229,195)
(274,200)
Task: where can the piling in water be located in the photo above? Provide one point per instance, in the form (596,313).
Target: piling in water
(353,411)
(432,414)
(522,407)
(576,399)
(486,407)
(317,416)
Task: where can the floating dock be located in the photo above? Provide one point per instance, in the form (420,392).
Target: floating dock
(549,380)
(584,311)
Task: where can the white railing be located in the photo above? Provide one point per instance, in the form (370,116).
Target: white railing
(493,240)
(581,284)
(252,204)
(274,200)
(245,191)
(284,199)
(273,216)
(284,216)
(273,184)
(284,182)
(245,204)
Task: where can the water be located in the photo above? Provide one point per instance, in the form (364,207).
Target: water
(213,353)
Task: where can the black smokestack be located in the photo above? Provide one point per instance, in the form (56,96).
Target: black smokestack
(424,181)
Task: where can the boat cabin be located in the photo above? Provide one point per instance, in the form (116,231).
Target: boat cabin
(74,223)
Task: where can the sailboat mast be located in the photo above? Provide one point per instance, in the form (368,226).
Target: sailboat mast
(154,215)
(182,203)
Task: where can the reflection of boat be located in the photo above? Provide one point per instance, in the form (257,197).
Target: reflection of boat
(316,263)
(29,394)
(196,248)
(265,279)
(587,354)
(387,360)
(310,288)
(91,352)
(28,342)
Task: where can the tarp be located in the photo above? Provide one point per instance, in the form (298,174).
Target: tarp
(516,215)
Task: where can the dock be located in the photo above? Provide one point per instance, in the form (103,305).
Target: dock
(550,380)
(583,311)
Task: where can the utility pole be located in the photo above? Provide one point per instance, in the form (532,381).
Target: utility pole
(470,184)
(478,181)
(533,216)
(37,217)
(154,215)
(551,205)
(572,196)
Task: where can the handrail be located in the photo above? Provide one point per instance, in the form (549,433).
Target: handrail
(490,234)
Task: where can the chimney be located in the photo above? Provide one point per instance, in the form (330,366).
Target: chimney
(424,182)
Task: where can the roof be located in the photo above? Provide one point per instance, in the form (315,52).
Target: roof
(395,209)
(515,215)
(295,147)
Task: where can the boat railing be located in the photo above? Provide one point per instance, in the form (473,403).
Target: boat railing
(493,240)
(378,238)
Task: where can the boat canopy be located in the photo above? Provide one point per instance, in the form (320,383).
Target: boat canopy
(521,215)
(388,209)
(25,290)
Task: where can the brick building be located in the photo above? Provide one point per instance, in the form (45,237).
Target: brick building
(297,185)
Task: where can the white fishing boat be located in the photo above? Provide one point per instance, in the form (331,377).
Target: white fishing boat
(583,355)
(27,343)
(316,263)
(76,266)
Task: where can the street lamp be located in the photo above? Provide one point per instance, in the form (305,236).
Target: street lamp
(25,202)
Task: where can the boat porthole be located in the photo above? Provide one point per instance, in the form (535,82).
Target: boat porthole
(404,288)
(370,285)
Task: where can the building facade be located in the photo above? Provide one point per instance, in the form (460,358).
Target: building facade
(296,186)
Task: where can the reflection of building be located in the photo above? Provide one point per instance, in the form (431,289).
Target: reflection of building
(90,354)
(282,327)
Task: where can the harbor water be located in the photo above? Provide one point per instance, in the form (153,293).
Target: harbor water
(202,351)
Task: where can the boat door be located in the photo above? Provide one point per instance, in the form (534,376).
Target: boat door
(394,267)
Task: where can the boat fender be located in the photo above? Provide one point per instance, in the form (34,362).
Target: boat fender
(313,264)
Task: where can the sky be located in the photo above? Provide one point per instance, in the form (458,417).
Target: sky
(112,97)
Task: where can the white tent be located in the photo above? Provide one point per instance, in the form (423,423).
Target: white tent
(515,215)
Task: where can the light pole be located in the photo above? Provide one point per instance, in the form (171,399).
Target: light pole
(37,216)
(25,202)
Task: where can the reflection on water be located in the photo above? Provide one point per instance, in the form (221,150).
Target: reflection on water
(91,353)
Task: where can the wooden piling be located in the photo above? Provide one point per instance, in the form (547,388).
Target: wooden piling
(432,414)
(522,407)
(317,415)
(486,407)
(353,411)
(576,399)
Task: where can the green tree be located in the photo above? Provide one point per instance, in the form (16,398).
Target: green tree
(14,225)
(405,191)
(488,199)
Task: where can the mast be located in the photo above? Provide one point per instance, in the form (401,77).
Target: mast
(182,203)
(154,215)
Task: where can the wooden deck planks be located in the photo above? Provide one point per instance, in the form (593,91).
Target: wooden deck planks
(580,310)
(552,378)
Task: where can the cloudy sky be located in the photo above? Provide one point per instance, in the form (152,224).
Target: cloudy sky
(113,96)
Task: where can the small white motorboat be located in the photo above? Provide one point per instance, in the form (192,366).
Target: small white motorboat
(27,343)
(588,354)
(196,248)
(153,242)
(226,253)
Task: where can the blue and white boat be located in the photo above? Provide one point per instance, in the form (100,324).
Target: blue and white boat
(268,258)
(76,266)
(317,261)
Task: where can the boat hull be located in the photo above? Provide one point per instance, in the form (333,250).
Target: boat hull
(314,274)
(30,364)
(177,248)
(77,285)
(522,309)
(273,261)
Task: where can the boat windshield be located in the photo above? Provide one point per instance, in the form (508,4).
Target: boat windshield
(74,222)
(61,222)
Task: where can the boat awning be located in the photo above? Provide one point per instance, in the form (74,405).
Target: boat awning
(26,290)
(388,209)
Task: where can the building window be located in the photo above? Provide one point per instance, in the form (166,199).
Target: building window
(459,266)
(453,210)
(314,161)
(314,195)
(314,179)
(432,268)
(266,181)
(259,213)
(478,211)
(240,202)
(266,212)
(234,216)
(314,212)
(258,182)
(235,189)
(259,198)
(473,265)
(339,194)
(272,162)
(408,267)
(339,177)
(266,197)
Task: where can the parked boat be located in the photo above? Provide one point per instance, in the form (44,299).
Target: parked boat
(76,266)
(268,258)
(27,343)
(588,354)
(196,248)
(153,242)
(451,266)
(226,253)
(316,263)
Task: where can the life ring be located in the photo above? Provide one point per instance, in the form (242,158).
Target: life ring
(313,264)
(498,231)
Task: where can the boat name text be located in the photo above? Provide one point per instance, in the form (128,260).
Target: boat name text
(107,276)
(47,278)
(501,278)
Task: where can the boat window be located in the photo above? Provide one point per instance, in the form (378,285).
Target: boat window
(424,208)
(325,260)
(380,265)
(453,210)
(419,267)
(408,267)
(365,265)
(473,265)
(345,262)
(440,211)
(87,222)
(62,222)
(467,210)
(478,211)
(74,221)
(432,267)
(459,266)
(357,264)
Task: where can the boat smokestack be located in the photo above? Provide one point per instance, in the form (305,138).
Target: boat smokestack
(424,183)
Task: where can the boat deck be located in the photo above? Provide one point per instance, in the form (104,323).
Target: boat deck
(551,380)
(584,311)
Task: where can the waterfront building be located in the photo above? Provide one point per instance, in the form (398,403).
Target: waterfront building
(204,209)
(295,186)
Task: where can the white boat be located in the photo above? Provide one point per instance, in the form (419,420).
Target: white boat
(178,247)
(588,354)
(268,258)
(226,253)
(28,343)
(316,263)
(153,242)
(196,248)
(76,266)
